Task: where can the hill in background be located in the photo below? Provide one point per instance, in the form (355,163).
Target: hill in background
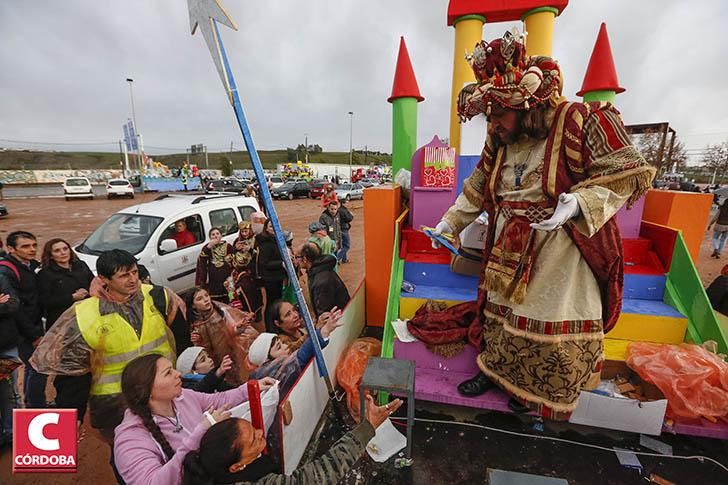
(37,160)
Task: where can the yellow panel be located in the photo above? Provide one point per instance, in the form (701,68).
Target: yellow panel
(540,28)
(615,349)
(408,306)
(648,328)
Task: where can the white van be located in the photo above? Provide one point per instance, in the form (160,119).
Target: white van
(146,230)
(77,187)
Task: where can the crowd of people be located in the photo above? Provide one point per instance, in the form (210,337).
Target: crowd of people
(148,364)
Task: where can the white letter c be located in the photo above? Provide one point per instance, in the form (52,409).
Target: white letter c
(35,432)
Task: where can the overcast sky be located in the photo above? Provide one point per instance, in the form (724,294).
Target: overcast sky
(302,65)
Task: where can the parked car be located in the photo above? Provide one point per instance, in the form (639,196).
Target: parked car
(366,183)
(3,210)
(145,230)
(318,187)
(291,190)
(276,181)
(77,188)
(228,185)
(350,191)
(119,188)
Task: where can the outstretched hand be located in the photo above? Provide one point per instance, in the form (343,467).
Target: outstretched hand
(567,208)
(376,415)
(332,322)
(225,365)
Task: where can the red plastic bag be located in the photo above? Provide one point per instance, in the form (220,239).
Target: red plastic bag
(694,380)
(351,369)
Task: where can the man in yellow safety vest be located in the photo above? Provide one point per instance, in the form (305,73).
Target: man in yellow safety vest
(91,343)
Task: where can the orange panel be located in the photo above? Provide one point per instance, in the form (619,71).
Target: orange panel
(382,206)
(690,213)
(686,211)
(658,204)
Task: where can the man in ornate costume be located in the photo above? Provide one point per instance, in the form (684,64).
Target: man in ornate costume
(551,176)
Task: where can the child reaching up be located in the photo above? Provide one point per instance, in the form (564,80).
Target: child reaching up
(199,372)
(275,358)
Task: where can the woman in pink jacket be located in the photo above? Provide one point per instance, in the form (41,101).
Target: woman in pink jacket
(163,421)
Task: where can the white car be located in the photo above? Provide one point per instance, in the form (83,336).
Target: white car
(119,188)
(77,188)
(147,231)
(276,181)
(349,191)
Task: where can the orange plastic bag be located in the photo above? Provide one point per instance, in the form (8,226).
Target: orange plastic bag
(694,380)
(351,369)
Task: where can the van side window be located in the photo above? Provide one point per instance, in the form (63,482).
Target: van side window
(187,231)
(245,211)
(225,220)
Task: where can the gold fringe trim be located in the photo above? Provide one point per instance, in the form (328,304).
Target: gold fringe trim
(523,394)
(446,350)
(542,338)
(635,181)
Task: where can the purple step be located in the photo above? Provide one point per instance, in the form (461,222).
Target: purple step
(437,386)
(464,362)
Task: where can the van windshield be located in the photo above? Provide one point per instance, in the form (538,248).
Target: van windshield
(76,182)
(129,232)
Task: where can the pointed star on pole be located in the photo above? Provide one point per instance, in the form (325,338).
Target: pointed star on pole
(202,15)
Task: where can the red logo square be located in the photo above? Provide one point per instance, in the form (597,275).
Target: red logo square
(44,440)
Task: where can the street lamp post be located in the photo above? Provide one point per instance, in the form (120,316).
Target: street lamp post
(136,132)
(351,137)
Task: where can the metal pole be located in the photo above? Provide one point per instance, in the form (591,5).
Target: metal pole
(305,149)
(351,138)
(141,151)
(270,208)
(207,162)
(136,130)
(126,160)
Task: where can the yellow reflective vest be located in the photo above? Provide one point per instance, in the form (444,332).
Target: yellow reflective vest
(115,343)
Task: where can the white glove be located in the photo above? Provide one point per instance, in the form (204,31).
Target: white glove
(567,208)
(441,227)
(482,219)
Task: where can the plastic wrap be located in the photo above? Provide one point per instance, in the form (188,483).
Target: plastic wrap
(351,369)
(694,380)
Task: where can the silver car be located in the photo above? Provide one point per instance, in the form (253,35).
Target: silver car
(350,191)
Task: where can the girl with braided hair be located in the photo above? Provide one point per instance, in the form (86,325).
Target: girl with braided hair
(163,421)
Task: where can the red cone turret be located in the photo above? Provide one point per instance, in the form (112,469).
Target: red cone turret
(405,83)
(601,75)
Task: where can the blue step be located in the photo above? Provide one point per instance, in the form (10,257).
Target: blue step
(650,308)
(437,275)
(644,286)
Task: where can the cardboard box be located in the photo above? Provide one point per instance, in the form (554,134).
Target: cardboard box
(619,413)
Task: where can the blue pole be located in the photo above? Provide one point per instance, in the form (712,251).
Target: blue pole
(268,203)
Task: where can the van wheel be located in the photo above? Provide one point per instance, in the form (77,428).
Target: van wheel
(68,199)
(108,196)
(290,196)
(348,197)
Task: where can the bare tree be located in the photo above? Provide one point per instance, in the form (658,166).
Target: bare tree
(716,158)
(660,157)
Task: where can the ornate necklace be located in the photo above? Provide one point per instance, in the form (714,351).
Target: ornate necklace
(519,168)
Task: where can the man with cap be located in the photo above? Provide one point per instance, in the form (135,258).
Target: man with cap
(551,176)
(320,237)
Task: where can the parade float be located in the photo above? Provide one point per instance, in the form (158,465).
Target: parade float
(663,300)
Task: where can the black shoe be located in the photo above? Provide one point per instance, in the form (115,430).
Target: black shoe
(476,386)
(518,408)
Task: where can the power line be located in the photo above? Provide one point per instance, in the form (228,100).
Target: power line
(59,143)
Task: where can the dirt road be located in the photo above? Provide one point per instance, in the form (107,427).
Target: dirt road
(74,220)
